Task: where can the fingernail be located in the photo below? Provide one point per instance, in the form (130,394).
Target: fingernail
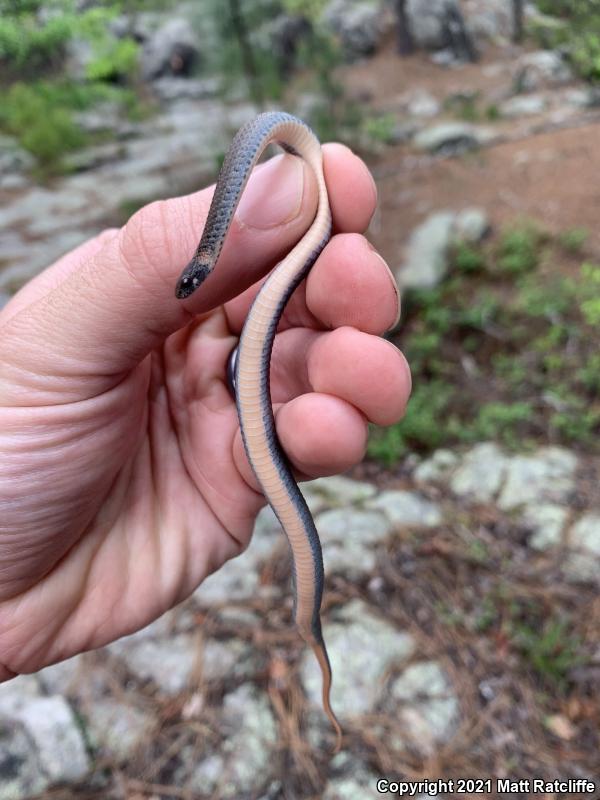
(394,285)
(274,194)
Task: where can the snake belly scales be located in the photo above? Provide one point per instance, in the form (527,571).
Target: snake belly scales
(252,358)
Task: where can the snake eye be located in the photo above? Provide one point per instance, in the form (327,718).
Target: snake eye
(184,287)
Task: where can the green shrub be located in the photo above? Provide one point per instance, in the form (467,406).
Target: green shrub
(590,294)
(579,33)
(114,59)
(380,129)
(29,45)
(519,249)
(467,258)
(574,239)
(43,128)
(423,425)
(502,421)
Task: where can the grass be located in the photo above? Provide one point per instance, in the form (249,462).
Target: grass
(504,349)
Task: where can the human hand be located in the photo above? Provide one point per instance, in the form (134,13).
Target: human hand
(123,478)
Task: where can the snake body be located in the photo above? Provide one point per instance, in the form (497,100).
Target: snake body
(252,362)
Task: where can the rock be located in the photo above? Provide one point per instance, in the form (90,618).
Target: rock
(172,662)
(349,538)
(426,22)
(206,775)
(172,49)
(106,117)
(360,24)
(488,19)
(362,648)
(449,138)
(4,298)
(423,104)
(230,658)
(79,55)
(541,69)
(14,180)
(549,474)
(341,491)
(13,159)
(117,727)
(471,225)
(584,563)
(351,789)
(21,773)
(63,677)
(547,523)
(437,468)
(16,693)
(523,106)
(238,578)
(404,131)
(405,508)
(253,735)
(481,473)
(428,707)
(52,726)
(355,781)
(426,261)
(174,87)
(94,156)
(581,98)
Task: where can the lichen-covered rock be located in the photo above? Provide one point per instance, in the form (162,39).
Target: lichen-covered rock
(481,473)
(548,474)
(523,105)
(583,564)
(542,69)
(427,705)
(426,21)
(349,538)
(360,24)
(405,508)
(448,138)
(352,639)
(426,260)
(171,50)
(248,717)
(547,522)
(21,773)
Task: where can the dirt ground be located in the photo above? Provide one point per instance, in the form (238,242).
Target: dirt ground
(549,176)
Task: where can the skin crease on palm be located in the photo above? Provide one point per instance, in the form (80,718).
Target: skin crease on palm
(123,479)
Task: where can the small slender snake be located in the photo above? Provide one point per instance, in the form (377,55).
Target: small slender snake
(250,373)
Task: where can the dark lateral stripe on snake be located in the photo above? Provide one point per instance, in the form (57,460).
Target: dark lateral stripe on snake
(252,363)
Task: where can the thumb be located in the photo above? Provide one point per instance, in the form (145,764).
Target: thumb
(111,311)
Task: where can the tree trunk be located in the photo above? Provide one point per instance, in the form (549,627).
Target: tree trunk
(404,39)
(250,68)
(458,38)
(518,11)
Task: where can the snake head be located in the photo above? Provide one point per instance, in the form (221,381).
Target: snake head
(192,277)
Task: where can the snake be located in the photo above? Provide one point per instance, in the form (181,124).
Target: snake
(249,365)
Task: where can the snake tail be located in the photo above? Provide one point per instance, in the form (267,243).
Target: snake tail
(320,651)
